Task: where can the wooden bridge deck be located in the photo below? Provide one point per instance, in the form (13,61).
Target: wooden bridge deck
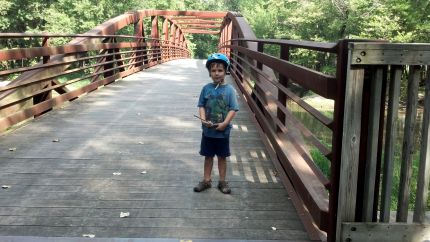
(132,146)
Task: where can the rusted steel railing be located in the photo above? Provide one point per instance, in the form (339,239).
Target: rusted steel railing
(91,64)
(264,81)
(90,60)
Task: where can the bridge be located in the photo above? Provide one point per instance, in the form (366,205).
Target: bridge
(99,138)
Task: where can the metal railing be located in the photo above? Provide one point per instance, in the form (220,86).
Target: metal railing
(38,88)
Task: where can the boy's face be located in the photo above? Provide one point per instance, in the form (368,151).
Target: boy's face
(217,72)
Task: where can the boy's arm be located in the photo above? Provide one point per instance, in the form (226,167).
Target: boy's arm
(202,113)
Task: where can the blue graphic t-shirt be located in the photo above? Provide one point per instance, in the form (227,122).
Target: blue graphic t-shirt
(217,103)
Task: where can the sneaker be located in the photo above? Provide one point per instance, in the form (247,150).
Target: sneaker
(223,187)
(203,185)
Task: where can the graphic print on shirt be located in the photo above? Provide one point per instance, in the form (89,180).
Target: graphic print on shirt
(216,108)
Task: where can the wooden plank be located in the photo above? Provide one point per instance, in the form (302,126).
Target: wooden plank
(350,147)
(113,234)
(390,54)
(390,138)
(424,166)
(386,232)
(408,144)
(372,144)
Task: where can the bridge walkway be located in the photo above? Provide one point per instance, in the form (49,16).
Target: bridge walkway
(132,146)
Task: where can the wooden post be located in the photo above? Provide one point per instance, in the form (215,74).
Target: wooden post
(390,138)
(424,167)
(372,144)
(350,148)
(341,75)
(408,145)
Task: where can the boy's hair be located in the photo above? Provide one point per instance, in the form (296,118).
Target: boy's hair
(213,63)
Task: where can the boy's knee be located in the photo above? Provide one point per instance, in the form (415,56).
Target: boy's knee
(222,159)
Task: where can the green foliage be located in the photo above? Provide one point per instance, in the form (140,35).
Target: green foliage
(321,161)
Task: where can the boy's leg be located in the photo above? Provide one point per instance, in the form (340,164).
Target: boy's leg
(206,183)
(209,161)
(222,168)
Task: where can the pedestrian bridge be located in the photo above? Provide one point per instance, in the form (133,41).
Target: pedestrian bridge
(99,137)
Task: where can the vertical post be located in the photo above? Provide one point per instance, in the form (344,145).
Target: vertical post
(48,94)
(221,38)
(118,58)
(138,32)
(109,66)
(424,167)
(177,43)
(372,144)
(408,144)
(172,41)
(260,48)
(390,138)
(181,39)
(283,80)
(341,73)
(351,145)
(376,194)
(165,39)
(228,37)
(155,36)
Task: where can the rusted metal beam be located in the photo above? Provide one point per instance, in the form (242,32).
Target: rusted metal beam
(24,53)
(200,21)
(311,45)
(199,31)
(199,26)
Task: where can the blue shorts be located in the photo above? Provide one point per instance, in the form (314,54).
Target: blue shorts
(215,146)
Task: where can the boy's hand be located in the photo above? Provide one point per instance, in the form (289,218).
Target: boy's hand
(208,124)
(221,126)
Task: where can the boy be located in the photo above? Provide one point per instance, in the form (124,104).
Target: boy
(217,107)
